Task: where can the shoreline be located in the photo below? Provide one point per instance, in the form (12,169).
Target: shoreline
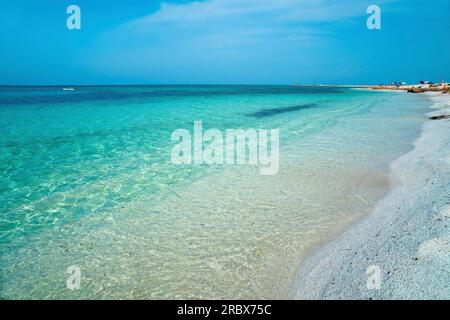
(412,88)
(406,235)
(409,89)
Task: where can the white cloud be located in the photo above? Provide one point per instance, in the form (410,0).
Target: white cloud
(280,10)
(243,20)
(218,36)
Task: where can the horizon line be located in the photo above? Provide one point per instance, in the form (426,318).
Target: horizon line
(197,84)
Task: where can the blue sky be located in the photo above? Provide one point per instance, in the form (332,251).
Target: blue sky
(223,42)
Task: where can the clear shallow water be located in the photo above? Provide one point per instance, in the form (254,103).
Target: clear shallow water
(87,180)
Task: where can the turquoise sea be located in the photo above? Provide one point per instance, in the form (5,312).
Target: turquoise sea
(87,180)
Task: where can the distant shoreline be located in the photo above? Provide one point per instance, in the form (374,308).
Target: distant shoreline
(416,88)
(412,88)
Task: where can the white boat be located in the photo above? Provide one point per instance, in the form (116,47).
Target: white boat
(69,89)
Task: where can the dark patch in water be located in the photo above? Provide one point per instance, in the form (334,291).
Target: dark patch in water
(440,117)
(274,111)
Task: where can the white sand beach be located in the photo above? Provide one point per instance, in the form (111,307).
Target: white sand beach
(407,235)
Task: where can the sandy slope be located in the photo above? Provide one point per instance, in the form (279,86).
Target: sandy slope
(407,235)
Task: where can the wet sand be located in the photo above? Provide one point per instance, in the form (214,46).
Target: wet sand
(407,235)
